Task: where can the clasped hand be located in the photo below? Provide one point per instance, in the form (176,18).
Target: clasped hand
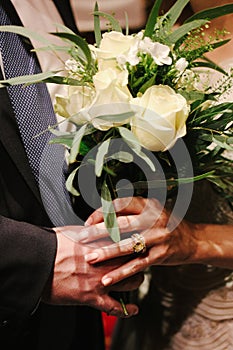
(75,282)
(167,241)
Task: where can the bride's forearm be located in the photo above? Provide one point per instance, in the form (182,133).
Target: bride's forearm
(215,245)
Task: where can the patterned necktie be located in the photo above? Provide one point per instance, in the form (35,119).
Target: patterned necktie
(34,114)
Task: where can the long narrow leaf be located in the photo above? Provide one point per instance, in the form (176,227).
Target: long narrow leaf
(152,18)
(28,33)
(117,117)
(183,30)
(175,11)
(78,41)
(76,144)
(212,13)
(101,153)
(97,29)
(28,79)
(134,144)
(63,80)
(124,157)
(69,183)
(64,28)
(210,65)
(114,23)
(154,184)
(110,218)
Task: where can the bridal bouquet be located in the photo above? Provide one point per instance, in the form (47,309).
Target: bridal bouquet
(133,96)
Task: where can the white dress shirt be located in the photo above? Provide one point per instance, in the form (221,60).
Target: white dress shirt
(42,16)
(83,10)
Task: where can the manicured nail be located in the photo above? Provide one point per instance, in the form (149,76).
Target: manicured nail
(106,281)
(91,257)
(88,222)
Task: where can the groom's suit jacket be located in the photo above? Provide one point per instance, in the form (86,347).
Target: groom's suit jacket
(28,249)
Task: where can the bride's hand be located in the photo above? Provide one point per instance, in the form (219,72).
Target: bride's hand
(167,241)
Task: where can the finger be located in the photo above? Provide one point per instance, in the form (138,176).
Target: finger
(130,223)
(126,205)
(113,307)
(99,231)
(126,271)
(157,255)
(126,246)
(129,284)
(95,218)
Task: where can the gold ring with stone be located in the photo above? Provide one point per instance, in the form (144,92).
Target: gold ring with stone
(139,245)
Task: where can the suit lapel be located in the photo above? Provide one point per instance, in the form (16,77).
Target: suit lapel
(66,14)
(9,133)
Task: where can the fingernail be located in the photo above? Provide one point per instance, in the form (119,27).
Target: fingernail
(88,222)
(106,281)
(91,257)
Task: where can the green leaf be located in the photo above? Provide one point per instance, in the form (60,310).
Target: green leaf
(175,11)
(147,84)
(101,153)
(192,95)
(222,142)
(28,79)
(130,139)
(66,140)
(64,81)
(124,157)
(126,24)
(183,31)
(64,28)
(97,29)
(110,218)
(210,65)
(76,144)
(78,41)
(112,20)
(134,144)
(25,32)
(117,117)
(212,13)
(220,43)
(152,19)
(69,183)
(154,184)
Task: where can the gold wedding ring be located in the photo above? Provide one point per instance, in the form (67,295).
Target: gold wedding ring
(139,245)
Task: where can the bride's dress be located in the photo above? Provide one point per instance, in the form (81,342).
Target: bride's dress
(187,307)
(209,326)
(198,300)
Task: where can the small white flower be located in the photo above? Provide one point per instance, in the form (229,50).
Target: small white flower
(159,52)
(72,66)
(131,56)
(181,64)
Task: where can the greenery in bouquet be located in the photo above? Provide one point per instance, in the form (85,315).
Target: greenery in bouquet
(133,95)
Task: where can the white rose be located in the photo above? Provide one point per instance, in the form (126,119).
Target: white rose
(78,98)
(114,44)
(112,97)
(160,118)
(113,48)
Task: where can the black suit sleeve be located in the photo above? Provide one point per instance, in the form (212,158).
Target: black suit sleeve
(27,254)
